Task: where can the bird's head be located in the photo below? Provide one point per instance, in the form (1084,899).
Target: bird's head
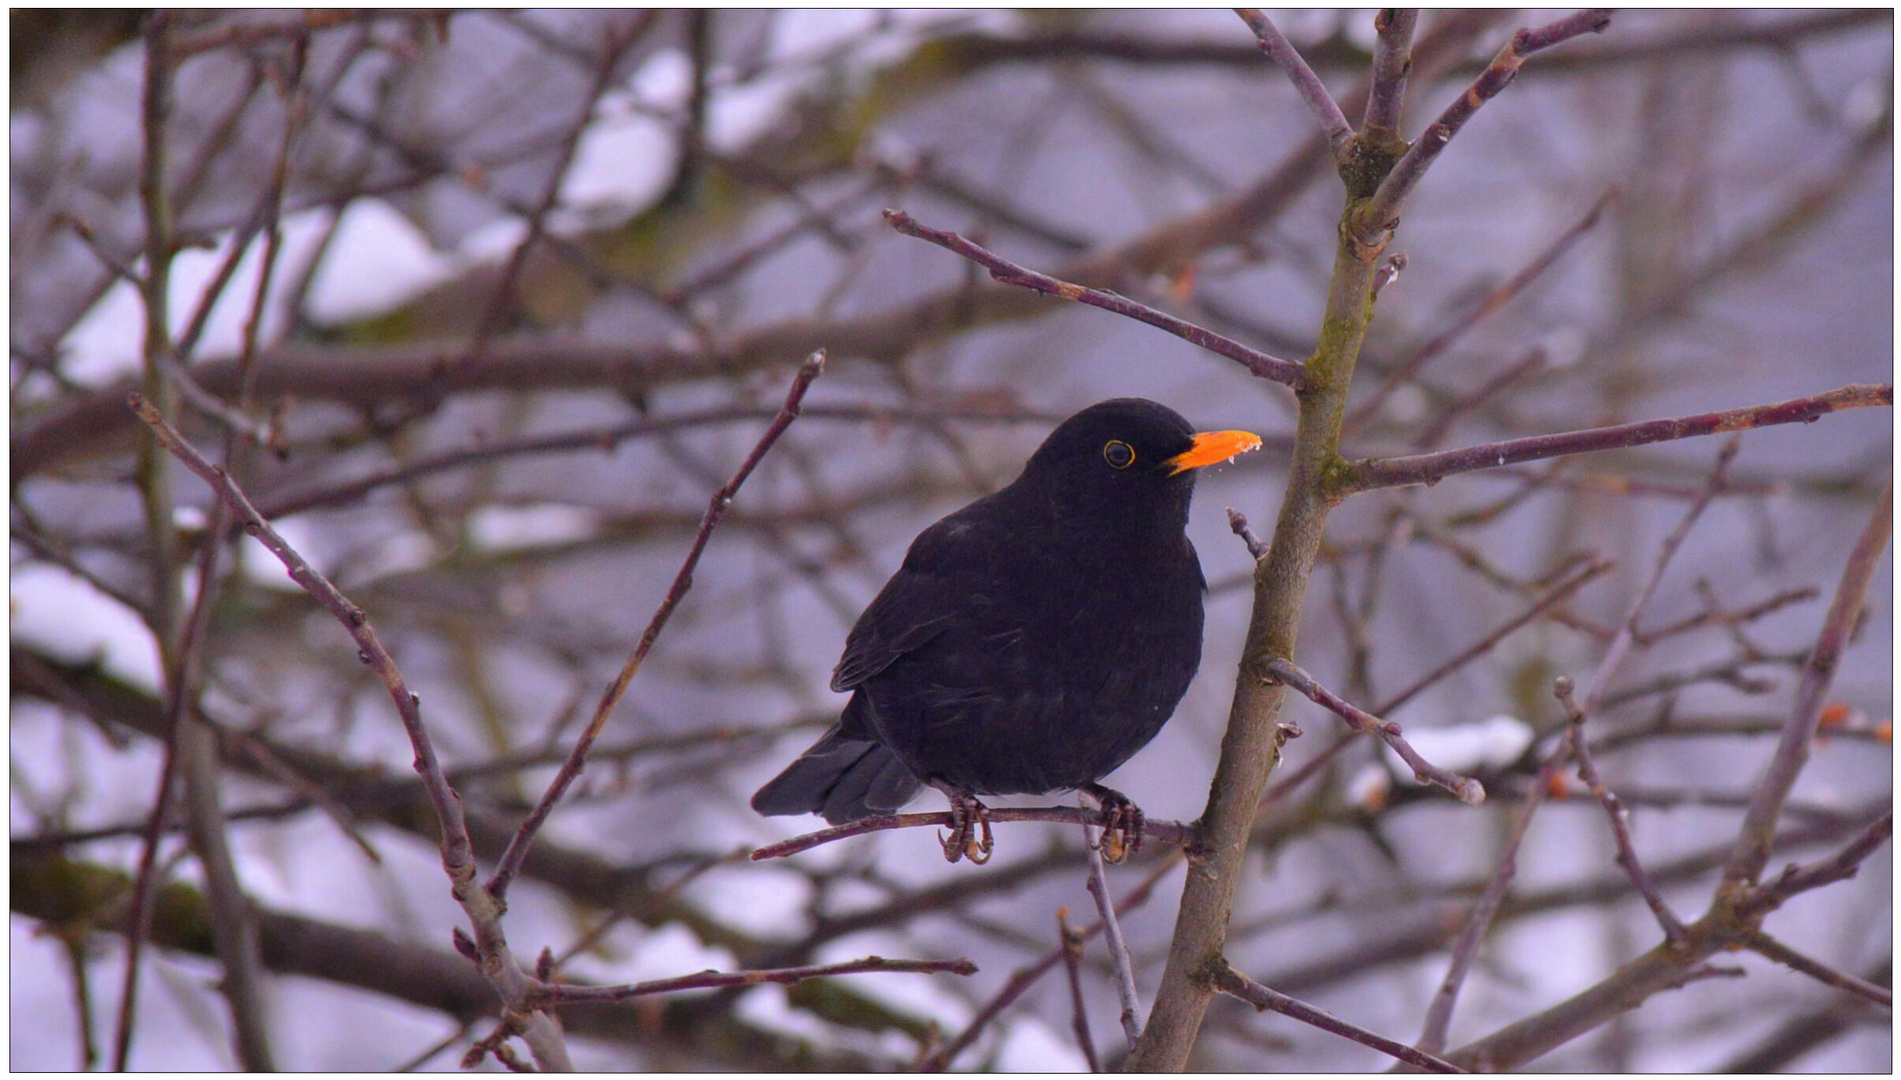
(1126,456)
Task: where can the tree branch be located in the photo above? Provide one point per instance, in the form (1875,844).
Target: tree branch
(1392,60)
(1792,751)
(570,994)
(1466,789)
(1370,473)
(1333,122)
(1380,215)
(510,862)
(1264,999)
(1286,372)
(1771,949)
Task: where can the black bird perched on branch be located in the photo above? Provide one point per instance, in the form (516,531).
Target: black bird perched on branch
(1032,641)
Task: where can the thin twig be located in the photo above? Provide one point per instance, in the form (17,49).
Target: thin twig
(1770,948)
(940,1057)
(1072,967)
(458,861)
(1558,595)
(1468,790)
(1792,751)
(1370,473)
(1119,957)
(1333,122)
(1430,435)
(607,67)
(1713,615)
(568,993)
(1286,372)
(1229,981)
(1841,866)
(1619,816)
(510,862)
(154,484)
(1432,1039)
(1619,648)
(1627,630)
(455,841)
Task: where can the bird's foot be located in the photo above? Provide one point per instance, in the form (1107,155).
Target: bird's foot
(1122,822)
(970,836)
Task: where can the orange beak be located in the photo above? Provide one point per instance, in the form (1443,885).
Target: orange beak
(1212,446)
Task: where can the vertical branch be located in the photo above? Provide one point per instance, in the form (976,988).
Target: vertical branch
(1072,966)
(155,493)
(1250,748)
(1392,60)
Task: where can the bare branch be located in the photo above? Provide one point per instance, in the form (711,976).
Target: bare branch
(1326,111)
(1497,297)
(1370,473)
(510,862)
(1618,815)
(1124,965)
(568,993)
(1841,866)
(1559,594)
(1231,982)
(1072,967)
(1772,949)
(1627,630)
(1468,790)
(1286,372)
(940,1057)
(1432,1039)
(1381,213)
(1792,751)
(1392,60)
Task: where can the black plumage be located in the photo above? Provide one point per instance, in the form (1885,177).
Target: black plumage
(1032,641)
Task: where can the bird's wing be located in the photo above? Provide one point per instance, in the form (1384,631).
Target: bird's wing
(942,577)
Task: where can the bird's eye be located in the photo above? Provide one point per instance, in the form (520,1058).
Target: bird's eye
(1118,454)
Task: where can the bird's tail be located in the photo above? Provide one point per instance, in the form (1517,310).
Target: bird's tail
(841,777)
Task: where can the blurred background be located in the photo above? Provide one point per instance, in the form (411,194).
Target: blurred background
(507,295)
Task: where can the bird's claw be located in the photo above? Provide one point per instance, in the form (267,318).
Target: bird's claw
(1122,823)
(964,841)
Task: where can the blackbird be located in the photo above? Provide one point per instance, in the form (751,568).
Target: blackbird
(1032,641)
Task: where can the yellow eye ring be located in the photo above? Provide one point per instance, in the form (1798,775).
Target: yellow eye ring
(1118,454)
